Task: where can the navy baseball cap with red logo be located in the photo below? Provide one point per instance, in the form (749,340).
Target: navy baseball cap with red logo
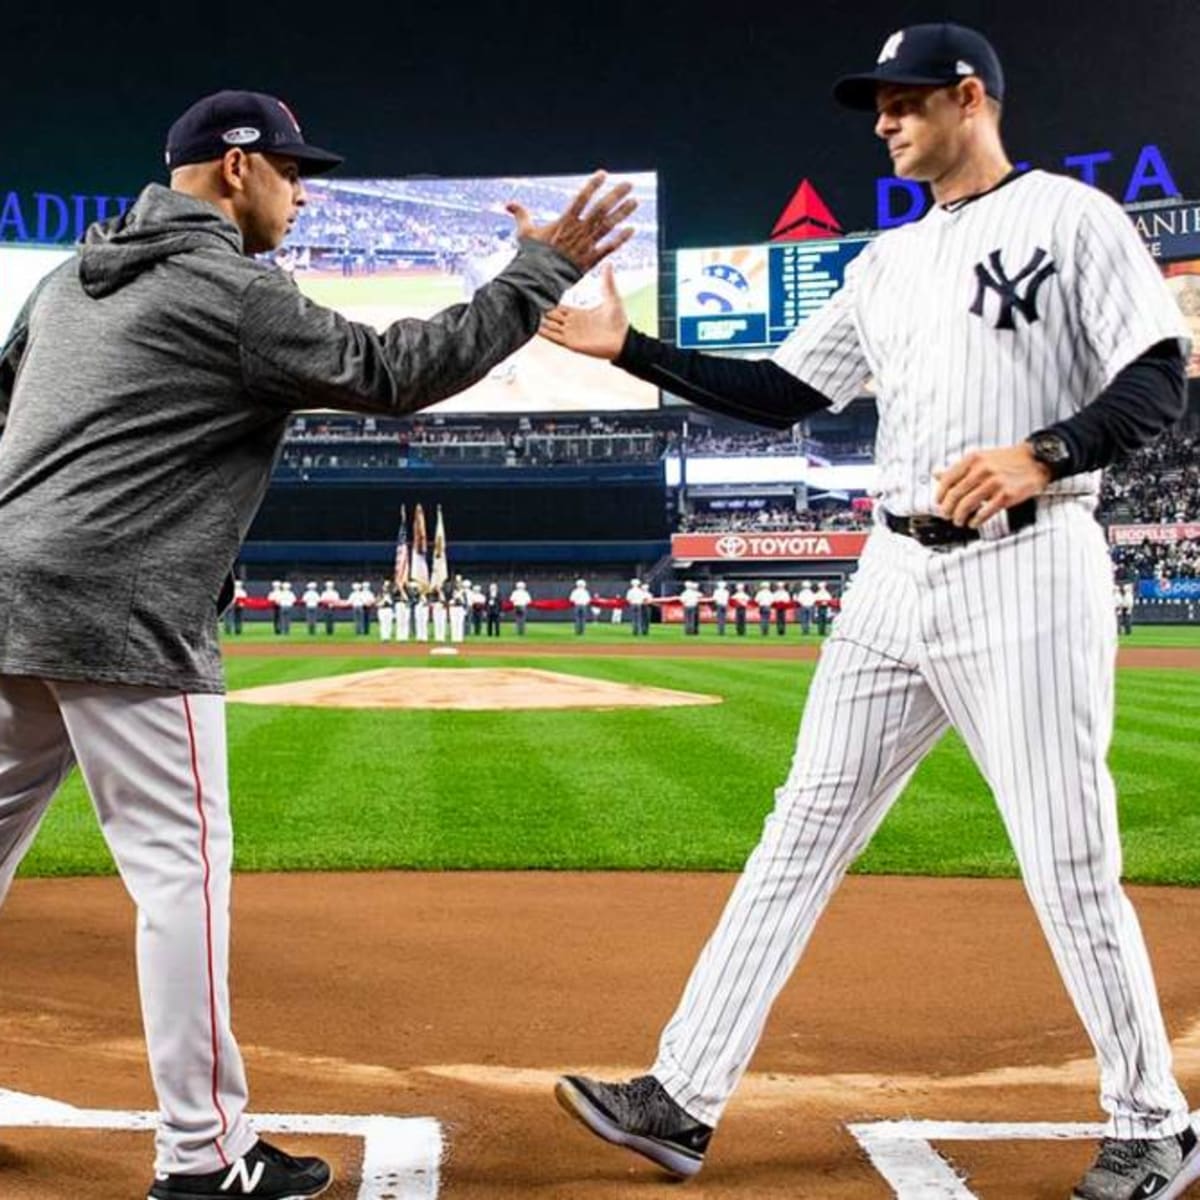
(253,121)
(926,56)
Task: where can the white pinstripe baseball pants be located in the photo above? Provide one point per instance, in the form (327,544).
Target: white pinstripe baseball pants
(1011,641)
(154,762)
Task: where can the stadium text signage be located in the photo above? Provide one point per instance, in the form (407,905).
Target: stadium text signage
(1134,535)
(756,547)
(48,217)
(898,201)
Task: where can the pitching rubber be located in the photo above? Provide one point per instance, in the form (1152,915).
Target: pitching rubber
(670,1158)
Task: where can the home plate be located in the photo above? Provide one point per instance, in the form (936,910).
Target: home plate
(473,689)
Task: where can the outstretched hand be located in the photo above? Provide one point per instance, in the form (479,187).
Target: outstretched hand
(581,233)
(598,331)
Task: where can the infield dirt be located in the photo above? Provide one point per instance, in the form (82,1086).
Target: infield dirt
(460,996)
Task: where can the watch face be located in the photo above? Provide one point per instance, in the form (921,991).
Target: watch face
(1050,448)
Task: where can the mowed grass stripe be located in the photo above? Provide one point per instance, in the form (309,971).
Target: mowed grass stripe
(683,788)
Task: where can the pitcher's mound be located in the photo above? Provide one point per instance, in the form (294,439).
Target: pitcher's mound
(473,688)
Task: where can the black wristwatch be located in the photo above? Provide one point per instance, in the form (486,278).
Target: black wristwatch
(1051,448)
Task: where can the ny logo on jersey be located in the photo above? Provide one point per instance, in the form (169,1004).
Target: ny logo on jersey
(1033,274)
(890,48)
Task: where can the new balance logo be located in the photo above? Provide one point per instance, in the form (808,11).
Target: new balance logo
(890,48)
(240,1173)
(1032,275)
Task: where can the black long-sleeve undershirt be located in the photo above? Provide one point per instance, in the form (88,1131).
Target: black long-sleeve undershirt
(1144,399)
(756,390)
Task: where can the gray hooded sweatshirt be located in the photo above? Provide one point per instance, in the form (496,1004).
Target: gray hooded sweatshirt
(144,393)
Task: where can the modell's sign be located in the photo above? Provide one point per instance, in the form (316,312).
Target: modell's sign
(1134,535)
(754,547)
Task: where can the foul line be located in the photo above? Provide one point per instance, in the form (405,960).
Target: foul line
(401,1155)
(901,1151)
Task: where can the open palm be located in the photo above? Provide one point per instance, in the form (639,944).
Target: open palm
(598,331)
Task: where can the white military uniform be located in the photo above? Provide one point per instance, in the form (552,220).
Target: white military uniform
(458,612)
(520,600)
(805,599)
(635,597)
(403,613)
(720,601)
(420,619)
(387,617)
(580,599)
(330,598)
(437,606)
(763,598)
(311,599)
(980,324)
(286,600)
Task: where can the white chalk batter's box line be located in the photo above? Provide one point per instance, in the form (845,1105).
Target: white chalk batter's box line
(902,1153)
(401,1155)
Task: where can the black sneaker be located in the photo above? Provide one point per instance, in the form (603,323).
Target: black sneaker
(640,1116)
(262,1172)
(1141,1169)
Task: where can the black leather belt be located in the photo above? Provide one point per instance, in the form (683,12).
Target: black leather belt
(938,532)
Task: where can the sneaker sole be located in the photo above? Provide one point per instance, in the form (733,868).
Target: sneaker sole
(199,1196)
(678,1162)
(1188,1173)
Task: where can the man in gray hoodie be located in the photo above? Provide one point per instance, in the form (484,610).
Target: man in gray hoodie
(144,392)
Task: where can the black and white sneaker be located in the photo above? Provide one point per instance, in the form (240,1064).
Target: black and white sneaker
(640,1116)
(1142,1169)
(263,1172)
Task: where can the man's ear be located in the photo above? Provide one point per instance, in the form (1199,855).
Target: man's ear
(233,169)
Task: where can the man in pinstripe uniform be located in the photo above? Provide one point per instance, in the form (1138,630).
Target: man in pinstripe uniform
(1019,336)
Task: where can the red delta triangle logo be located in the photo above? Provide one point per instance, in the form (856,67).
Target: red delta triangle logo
(806,216)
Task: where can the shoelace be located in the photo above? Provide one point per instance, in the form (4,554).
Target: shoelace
(646,1099)
(1122,1156)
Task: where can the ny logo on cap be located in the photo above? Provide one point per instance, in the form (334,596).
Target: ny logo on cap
(890,48)
(1033,274)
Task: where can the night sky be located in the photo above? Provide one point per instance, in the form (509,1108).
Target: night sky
(730,102)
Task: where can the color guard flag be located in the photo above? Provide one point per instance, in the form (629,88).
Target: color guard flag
(441,569)
(400,574)
(420,548)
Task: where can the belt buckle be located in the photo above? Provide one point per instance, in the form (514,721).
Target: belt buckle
(922,528)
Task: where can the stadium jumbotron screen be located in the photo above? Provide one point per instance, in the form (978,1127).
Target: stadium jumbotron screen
(379,249)
(744,296)
(21,266)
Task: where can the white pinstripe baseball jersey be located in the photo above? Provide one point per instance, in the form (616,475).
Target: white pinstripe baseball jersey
(984,322)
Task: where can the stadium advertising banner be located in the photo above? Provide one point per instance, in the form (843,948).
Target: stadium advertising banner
(1169,589)
(1172,234)
(1134,535)
(380,249)
(745,296)
(799,546)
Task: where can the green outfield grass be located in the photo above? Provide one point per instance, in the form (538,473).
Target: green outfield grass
(681,788)
(429,293)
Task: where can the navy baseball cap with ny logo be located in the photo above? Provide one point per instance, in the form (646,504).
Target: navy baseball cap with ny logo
(253,121)
(927,56)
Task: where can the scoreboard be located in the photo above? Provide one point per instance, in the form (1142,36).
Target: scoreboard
(747,296)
